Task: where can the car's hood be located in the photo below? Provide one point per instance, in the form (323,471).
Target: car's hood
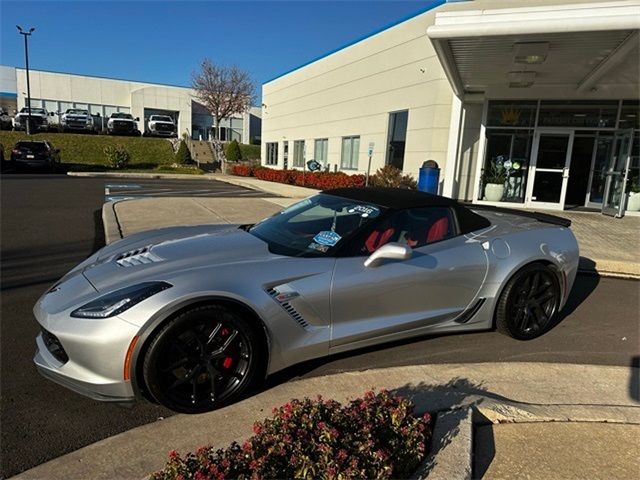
(163,254)
(163,122)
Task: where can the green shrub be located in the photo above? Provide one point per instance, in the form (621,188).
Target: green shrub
(232,151)
(372,437)
(183,155)
(117,156)
(249,152)
(390,176)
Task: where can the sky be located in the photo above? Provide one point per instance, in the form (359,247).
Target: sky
(164,41)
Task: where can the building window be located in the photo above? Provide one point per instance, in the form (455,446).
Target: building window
(630,114)
(64,106)
(350,149)
(578,114)
(272,153)
(82,106)
(320,150)
(506,165)
(51,106)
(285,154)
(298,153)
(510,113)
(397,137)
(124,109)
(109,110)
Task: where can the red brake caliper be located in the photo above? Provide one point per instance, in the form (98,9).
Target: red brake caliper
(228,361)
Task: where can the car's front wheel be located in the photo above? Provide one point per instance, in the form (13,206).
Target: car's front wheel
(529,302)
(202,359)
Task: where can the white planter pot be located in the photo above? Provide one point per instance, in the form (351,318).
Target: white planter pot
(633,203)
(493,192)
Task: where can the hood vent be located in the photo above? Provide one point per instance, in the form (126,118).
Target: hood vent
(140,256)
(293,313)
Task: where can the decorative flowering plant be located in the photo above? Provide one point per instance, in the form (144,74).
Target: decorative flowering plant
(500,169)
(374,437)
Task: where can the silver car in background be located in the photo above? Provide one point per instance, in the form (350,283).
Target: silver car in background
(192,317)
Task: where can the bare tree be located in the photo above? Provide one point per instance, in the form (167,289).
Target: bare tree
(223,90)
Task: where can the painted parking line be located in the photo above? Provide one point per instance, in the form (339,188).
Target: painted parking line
(127,185)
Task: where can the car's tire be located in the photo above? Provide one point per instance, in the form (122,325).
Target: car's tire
(529,303)
(187,367)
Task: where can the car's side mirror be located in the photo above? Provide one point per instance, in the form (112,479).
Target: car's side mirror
(137,119)
(390,251)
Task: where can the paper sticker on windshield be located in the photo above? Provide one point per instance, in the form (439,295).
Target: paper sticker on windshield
(320,248)
(365,211)
(327,238)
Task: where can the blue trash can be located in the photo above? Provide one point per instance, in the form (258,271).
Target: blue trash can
(429,177)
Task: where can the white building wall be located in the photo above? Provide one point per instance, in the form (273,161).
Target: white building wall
(135,96)
(352,92)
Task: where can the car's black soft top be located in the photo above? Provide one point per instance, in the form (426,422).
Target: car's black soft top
(402,198)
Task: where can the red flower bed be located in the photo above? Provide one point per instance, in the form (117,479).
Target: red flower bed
(372,437)
(318,180)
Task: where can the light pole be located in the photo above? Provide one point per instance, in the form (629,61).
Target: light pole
(26,61)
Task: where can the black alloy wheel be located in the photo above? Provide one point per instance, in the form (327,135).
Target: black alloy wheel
(529,303)
(202,359)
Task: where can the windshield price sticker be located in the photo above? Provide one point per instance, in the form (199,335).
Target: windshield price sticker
(327,238)
(365,211)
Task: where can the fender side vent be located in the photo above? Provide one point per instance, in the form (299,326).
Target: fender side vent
(470,312)
(293,313)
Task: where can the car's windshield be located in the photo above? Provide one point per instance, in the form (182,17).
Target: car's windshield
(122,115)
(39,111)
(314,226)
(76,111)
(161,118)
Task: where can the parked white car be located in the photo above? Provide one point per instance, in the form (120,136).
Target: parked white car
(161,126)
(122,124)
(77,119)
(40,119)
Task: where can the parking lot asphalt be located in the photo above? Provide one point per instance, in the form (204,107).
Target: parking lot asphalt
(51,222)
(123,189)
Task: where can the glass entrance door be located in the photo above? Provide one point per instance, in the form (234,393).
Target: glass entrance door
(614,192)
(550,168)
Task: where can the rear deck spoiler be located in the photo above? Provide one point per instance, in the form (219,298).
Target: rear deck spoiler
(541,217)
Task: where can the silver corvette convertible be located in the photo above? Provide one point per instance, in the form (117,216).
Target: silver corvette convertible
(191,317)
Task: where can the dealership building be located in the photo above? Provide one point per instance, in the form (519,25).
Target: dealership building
(521,103)
(57,92)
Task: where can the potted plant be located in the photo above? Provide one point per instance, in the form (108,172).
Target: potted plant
(633,201)
(494,181)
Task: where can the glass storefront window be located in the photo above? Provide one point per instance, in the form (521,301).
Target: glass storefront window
(507,113)
(64,106)
(504,173)
(630,114)
(578,114)
(109,110)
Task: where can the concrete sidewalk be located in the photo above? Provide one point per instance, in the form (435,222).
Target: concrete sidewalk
(519,393)
(608,246)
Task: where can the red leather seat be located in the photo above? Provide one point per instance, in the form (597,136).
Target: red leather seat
(377,239)
(438,230)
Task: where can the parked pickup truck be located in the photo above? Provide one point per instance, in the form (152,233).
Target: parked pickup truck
(161,126)
(39,119)
(122,124)
(77,119)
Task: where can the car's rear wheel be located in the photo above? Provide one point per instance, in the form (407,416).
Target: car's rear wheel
(529,302)
(202,359)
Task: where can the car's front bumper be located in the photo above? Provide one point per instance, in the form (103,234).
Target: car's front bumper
(51,369)
(94,349)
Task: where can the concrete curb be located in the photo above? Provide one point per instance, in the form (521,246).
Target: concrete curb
(570,392)
(451,453)
(112,229)
(168,176)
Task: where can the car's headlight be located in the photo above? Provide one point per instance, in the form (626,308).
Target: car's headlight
(117,302)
